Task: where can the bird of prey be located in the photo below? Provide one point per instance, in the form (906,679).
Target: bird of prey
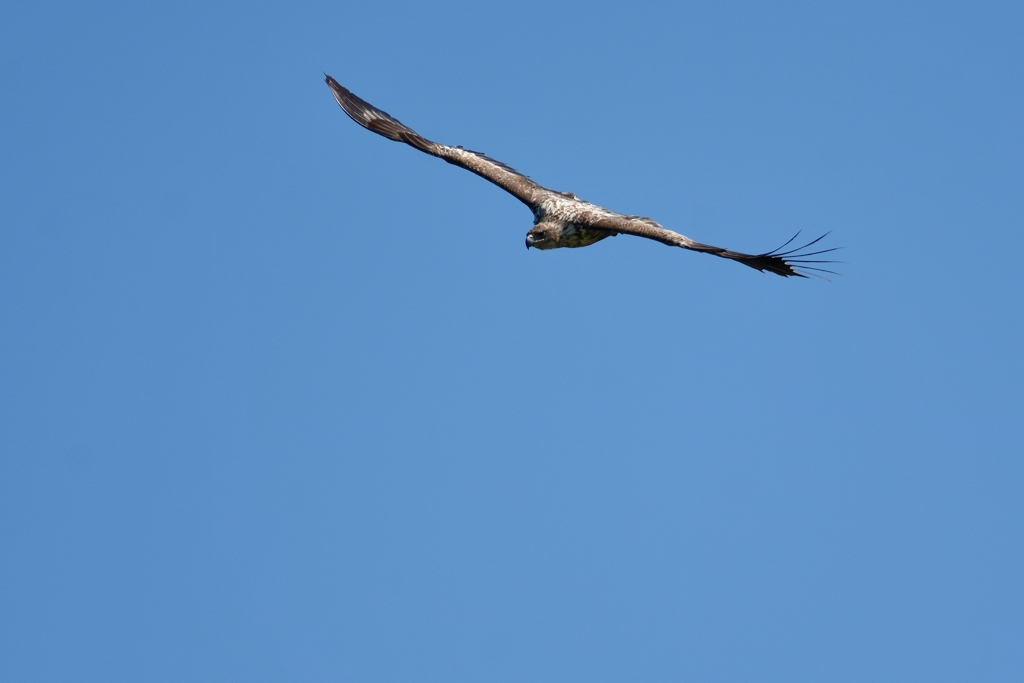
(561,219)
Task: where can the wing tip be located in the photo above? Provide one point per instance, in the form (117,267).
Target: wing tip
(789,263)
(794,262)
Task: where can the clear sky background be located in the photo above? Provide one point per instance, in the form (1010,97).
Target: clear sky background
(281,400)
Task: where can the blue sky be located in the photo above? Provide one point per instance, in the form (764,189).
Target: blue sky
(283,400)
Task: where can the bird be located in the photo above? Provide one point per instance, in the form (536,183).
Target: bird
(561,219)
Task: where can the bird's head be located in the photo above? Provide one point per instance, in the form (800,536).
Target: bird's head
(544,236)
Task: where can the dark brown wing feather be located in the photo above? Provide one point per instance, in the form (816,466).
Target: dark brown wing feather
(382,123)
(788,263)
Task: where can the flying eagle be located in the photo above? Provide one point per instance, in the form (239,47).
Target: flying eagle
(561,219)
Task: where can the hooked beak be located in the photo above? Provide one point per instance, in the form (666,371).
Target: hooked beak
(529,242)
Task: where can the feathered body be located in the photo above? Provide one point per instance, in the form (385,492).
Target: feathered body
(561,219)
(564,220)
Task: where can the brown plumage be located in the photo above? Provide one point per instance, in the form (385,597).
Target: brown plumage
(561,219)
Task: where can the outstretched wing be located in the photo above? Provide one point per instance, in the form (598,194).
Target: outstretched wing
(382,123)
(785,262)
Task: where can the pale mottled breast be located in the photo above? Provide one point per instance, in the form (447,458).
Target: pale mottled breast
(574,235)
